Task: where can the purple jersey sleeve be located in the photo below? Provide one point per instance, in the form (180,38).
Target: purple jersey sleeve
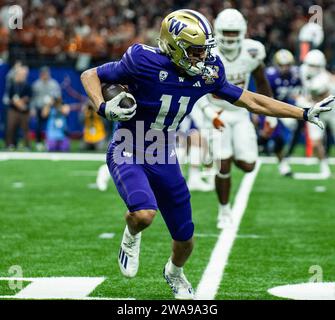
(120,71)
(229,92)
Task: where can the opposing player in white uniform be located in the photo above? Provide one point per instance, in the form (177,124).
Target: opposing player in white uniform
(237,141)
(317,83)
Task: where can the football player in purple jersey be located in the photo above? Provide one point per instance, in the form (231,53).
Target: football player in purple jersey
(286,86)
(166,82)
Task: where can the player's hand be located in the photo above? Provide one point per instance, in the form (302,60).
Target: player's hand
(218,123)
(312,114)
(112,110)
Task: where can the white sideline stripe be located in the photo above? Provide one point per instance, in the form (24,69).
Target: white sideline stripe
(102,157)
(52,156)
(211,278)
(296,160)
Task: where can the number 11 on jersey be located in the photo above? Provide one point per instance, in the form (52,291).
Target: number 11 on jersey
(164,110)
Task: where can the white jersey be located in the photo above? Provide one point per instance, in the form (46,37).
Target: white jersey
(238,71)
(306,101)
(307,79)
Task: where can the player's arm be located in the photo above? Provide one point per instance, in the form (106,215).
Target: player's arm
(261,81)
(111,73)
(263,87)
(92,86)
(260,104)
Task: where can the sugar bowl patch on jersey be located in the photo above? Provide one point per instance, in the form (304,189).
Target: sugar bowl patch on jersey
(212,73)
(255,49)
(163,75)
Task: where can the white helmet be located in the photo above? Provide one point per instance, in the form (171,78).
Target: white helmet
(314,63)
(311,32)
(315,58)
(230,20)
(319,85)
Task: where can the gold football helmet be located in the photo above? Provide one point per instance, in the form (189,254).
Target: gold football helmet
(186,36)
(283,57)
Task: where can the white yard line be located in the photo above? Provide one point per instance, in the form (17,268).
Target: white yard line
(295,160)
(102,157)
(211,278)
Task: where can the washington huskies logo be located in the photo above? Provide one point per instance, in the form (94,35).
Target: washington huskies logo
(176,26)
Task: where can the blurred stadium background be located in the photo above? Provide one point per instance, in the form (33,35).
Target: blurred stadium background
(70,36)
(52,216)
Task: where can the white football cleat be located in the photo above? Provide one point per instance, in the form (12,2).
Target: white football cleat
(129,253)
(284,168)
(225,219)
(324,169)
(180,286)
(103,177)
(195,183)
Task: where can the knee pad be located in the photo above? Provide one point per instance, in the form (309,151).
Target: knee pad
(184,233)
(140,200)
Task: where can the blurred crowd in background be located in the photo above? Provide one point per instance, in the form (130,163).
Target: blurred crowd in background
(42,102)
(87,31)
(82,33)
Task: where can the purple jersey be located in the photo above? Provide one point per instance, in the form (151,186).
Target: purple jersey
(284,87)
(164,96)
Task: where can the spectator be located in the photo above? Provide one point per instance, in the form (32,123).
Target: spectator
(19,94)
(50,39)
(4,38)
(275,23)
(43,89)
(94,130)
(56,131)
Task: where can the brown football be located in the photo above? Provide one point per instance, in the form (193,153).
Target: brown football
(109,91)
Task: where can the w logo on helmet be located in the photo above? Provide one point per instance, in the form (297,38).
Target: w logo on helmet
(176,27)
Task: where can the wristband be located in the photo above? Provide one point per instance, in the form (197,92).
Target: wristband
(305,114)
(102,109)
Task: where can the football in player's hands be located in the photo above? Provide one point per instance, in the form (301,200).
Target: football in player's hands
(110,91)
(119,105)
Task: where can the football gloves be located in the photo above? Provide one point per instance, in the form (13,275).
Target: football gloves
(112,111)
(312,114)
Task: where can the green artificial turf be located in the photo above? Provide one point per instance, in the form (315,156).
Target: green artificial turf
(51,219)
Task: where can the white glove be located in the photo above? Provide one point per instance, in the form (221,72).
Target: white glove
(312,114)
(114,112)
